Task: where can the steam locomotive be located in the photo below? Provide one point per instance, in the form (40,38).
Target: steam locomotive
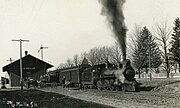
(110,77)
(103,76)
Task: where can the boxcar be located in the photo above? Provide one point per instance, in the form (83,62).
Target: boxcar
(72,74)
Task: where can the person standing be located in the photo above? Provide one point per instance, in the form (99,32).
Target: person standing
(64,81)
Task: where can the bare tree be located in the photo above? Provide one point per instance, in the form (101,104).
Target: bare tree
(69,63)
(102,54)
(134,36)
(61,66)
(162,32)
(115,53)
(76,59)
(92,56)
(98,55)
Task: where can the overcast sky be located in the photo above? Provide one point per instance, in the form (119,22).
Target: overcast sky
(69,27)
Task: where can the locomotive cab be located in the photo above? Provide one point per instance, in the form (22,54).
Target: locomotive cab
(89,77)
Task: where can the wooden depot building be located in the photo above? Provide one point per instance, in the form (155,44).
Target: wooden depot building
(31,67)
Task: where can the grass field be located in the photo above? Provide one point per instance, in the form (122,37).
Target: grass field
(158,84)
(39,99)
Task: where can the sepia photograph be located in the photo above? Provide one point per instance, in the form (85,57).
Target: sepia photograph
(90,54)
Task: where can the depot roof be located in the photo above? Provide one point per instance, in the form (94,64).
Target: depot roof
(29,62)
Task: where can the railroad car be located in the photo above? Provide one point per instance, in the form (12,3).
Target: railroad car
(53,77)
(72,74)
(49,79)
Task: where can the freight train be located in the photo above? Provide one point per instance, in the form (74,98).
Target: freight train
(103,76)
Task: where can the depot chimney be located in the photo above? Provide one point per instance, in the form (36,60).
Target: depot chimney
(26,53)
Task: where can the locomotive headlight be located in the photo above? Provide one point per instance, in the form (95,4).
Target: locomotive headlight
(93,70)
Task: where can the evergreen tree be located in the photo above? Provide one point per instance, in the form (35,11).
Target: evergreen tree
(175,48)
(146,47)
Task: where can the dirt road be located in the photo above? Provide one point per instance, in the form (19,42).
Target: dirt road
(123,100)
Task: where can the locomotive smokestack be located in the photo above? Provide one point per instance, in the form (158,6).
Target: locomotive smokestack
(124,57)
(112,9)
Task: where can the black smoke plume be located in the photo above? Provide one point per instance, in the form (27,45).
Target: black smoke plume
(112,9)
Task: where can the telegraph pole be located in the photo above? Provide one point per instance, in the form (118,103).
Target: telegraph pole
(41,49)
(11,60)
(150,74)
(21,74)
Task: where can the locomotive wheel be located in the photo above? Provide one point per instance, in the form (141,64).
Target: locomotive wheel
(81,86)
(124,88)
(112,87)
(99,85)
(107,84)
(86,86)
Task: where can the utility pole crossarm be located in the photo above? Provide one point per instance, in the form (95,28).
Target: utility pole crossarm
(41,49)
(21,40)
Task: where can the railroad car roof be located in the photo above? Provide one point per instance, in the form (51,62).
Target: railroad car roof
(73,68)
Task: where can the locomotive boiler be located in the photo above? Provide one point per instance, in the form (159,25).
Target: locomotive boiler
(129,82)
